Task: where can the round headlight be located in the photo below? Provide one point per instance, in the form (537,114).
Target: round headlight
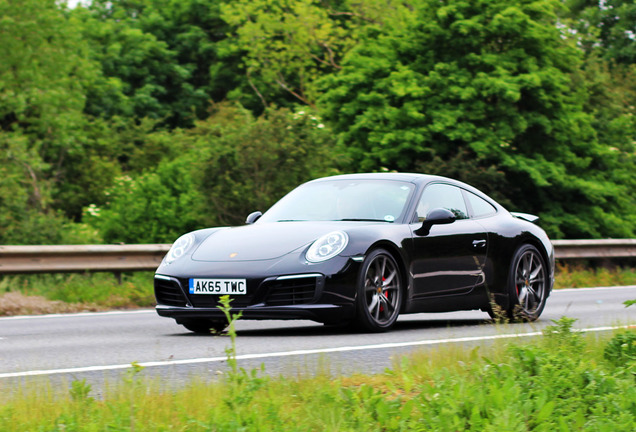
(179,248)
(327,247)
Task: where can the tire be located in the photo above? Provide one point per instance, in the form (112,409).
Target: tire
(379,292)
(527,284)
(203,326)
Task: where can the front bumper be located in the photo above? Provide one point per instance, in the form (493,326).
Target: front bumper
(324,313)
(327,295)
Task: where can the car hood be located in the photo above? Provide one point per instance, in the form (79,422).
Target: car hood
(261,241)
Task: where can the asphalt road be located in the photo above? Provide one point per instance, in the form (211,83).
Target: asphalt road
(100,347)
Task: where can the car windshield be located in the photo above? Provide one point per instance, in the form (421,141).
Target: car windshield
(346,200)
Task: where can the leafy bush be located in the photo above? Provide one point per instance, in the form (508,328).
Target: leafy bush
(621,350)
(156,207)
(227,167)
(252,162)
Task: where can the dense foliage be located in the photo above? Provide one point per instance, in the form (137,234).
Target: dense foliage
(136,120)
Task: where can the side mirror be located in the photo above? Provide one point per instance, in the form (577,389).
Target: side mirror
(437,216)
(253,217)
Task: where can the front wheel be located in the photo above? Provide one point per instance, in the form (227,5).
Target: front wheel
(527,284)
(379,292)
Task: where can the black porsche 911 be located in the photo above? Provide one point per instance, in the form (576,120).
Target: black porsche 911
(362,249)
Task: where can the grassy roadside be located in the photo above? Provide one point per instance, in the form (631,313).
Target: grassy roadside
(580,277)
(563,381)
(74,292)
(60,293)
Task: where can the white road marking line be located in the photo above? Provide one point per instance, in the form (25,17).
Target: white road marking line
(289,353)
(626,287)
(80,314)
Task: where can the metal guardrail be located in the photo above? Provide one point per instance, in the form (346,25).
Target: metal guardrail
(80,258)
(125,258)
(594,249)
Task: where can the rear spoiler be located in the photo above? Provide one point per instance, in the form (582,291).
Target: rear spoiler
(525,216)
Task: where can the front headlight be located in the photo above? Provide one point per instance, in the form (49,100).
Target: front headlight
(179,248)
(327,247)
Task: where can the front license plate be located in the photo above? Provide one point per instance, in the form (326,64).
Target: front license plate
(218,286)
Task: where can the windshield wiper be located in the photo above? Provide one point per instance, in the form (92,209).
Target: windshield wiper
(338,220)
(362,220)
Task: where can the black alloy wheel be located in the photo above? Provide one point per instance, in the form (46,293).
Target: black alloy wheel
(379,296)
(528,284)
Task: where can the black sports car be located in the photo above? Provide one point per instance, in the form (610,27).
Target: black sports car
(362,248)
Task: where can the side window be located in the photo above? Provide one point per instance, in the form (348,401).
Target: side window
(479,207)
(444,196)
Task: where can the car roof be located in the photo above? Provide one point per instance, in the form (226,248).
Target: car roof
(406,177)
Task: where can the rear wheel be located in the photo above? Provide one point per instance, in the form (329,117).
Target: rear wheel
(379,295)
(527,284)
(203,326)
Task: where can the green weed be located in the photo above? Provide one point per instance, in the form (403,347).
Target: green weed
(621,351)
(241,385)
(80,391)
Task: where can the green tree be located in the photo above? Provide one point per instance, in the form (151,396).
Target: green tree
(252,162)
(606,28)
(160,59)
(42,70)
(288,44)
(222,169)
(495,79)
(195,31)
(140,75)
(154,207)
(604,31)
(43,74)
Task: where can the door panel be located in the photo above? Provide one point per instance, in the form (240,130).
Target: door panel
(449,260)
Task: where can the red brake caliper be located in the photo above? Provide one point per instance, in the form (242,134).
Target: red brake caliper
(385,296)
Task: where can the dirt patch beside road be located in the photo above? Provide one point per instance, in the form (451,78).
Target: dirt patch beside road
(14,303)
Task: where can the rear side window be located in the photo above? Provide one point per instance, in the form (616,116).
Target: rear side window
(442,196)
(479,206)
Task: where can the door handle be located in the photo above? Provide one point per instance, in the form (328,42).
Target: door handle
(479,243)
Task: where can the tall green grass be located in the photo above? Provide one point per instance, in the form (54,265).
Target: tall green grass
(560,382)
(578,276)
(89,291)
